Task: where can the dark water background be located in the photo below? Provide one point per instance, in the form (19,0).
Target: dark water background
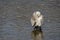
(15,19)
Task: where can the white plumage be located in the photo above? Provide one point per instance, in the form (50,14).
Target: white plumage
(37,19)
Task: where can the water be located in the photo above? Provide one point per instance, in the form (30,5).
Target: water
(15,19)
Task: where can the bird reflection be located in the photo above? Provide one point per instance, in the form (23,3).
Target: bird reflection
(37,34)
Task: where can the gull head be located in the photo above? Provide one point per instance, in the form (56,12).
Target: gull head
(37,14)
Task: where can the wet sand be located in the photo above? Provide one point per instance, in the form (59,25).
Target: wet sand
(15,19)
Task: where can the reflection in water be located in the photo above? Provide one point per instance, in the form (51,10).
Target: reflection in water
(37,34)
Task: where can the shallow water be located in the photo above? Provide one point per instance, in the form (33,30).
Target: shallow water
(15,19)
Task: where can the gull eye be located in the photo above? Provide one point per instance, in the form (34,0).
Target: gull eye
(38,15)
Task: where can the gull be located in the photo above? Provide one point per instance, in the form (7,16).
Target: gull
(37,19)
